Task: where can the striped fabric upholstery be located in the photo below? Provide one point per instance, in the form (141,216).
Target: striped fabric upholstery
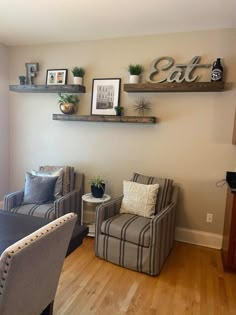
(128,227)
(124,254)
(45,210)
(134,242)
(162,231)
(164,191)
(70,202)
(68,177)
(13,200)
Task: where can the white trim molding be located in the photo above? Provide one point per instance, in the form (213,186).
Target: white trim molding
(196,237)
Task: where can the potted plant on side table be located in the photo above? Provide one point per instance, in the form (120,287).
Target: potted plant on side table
(97,186)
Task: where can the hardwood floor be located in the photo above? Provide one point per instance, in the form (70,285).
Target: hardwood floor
(191,282)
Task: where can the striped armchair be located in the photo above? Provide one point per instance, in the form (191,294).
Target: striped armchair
(138,243)
(70,201)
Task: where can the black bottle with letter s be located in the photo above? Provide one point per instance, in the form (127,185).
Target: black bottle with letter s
(217,71)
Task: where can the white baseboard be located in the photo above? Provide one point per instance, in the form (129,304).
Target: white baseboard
(198,237)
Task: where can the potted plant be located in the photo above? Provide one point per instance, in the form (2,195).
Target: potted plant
(135,70)
(68,103)
(22,79)
(97,186)
(78,74)
(119,109)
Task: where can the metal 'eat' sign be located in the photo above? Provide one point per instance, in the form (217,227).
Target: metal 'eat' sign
(180,73)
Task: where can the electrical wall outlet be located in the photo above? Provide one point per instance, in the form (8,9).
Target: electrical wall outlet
(209,217)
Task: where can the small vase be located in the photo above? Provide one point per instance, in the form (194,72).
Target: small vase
(134,79)
(217,71)
(78,80)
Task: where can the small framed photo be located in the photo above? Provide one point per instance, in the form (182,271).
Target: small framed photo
(56,77)
(105,96)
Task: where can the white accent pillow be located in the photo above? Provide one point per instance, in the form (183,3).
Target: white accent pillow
(57,173)
(139,199)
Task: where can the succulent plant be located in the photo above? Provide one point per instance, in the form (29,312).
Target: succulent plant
(97,181)
(135,69)
(68,98)
(78,72)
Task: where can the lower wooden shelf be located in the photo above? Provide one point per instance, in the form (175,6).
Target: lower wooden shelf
(116,119)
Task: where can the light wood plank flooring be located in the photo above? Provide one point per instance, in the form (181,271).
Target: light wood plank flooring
(191,282)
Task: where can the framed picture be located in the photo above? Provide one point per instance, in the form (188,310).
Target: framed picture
(56,77)
(105,96)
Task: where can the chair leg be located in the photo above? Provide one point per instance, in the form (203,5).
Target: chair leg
(48,310)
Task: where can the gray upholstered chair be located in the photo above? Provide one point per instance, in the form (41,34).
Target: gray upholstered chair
(136,242)
(30,269)
(70,201)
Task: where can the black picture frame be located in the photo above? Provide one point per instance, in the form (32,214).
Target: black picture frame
(56,77)
(105,96)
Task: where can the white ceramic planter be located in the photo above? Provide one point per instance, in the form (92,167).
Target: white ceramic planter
(78,80)
(134,78)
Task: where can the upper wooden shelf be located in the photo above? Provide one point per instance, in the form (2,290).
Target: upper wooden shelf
(48,88)
(175,87)
(117,119)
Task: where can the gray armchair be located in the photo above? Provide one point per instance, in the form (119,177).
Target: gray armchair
(73,189)
(30,269)
(138,243)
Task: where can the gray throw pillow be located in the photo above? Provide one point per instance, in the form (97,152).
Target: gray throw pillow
(58,173)
(38,189)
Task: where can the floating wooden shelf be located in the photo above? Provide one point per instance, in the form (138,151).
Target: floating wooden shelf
(116,119)
(175,87)
(48,88)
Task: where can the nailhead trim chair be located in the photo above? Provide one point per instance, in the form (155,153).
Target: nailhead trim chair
(30,269)
(133,241)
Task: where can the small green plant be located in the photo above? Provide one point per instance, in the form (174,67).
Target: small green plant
(22,79)
(97,181)
(68,98)
(135,69)
(78,72)
(119,110)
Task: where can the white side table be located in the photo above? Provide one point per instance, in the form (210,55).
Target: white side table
(88,210)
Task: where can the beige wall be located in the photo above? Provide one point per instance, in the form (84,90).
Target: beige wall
(191,144)
(4,122)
